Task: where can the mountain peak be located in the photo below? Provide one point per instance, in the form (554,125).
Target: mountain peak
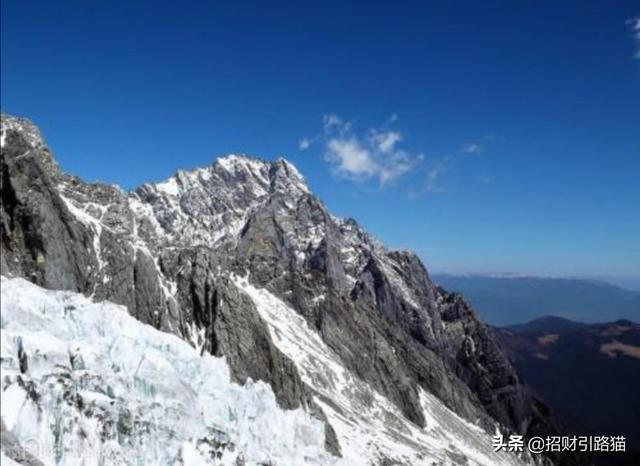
(555,324)
(235,162)
(280,174)
(285,176)
(23,126)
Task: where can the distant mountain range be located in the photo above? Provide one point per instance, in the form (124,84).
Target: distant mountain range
(506,300)
(588,373)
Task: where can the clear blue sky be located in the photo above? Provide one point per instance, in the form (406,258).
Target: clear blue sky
(519,121)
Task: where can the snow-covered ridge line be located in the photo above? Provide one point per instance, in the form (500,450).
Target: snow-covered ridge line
(254,167)
(209,206)
(85,383)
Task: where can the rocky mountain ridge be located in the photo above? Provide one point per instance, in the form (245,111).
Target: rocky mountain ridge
(172,253)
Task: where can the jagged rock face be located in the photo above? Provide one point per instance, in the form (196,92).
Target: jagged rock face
(167,252)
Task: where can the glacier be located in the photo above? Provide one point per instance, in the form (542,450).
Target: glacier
(86,384)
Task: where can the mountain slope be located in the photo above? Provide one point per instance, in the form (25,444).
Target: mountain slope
(171,253)
(589,373)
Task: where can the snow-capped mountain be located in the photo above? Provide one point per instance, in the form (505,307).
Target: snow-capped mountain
(242,261)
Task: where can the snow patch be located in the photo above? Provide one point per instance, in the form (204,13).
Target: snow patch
(92,223)
(169,187)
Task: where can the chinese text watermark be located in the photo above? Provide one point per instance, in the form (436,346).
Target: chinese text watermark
(582,443)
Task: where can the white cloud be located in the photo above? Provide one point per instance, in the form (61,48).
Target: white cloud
(396,169)
(378,154)
(471,148)
(333,122)
(304,144)
(374,156)
(635,29)
(351,157)
(442,167)
(434,175)
(385,141)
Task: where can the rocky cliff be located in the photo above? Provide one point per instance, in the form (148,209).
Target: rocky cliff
(197,255)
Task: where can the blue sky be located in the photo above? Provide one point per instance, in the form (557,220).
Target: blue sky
(487,137)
